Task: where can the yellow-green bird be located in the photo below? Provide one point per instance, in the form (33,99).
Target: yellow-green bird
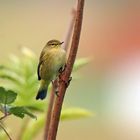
(52,59)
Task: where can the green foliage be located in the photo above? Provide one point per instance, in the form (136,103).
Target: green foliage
(20,112)
(7,97)
(75,113)
(66,114)
(79,63)
(20,76)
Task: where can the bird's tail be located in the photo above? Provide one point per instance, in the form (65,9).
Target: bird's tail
(42,92)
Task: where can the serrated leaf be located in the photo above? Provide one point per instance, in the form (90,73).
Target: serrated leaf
(20,112)
(75,113)
(80,63)
(7,96)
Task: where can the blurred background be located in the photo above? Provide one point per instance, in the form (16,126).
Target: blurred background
(110,84)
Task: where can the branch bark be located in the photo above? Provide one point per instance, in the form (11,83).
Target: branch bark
(66,74)
(70,28)
(49,111)
(65,46)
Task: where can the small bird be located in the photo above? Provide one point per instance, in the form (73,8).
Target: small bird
(52,60)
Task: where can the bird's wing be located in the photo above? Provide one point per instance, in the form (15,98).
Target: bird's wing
(40,62)
(38,70)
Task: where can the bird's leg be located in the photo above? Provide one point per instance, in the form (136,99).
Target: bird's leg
(55,87)
(65,81)
(61,70)
(68,82)
(60,76)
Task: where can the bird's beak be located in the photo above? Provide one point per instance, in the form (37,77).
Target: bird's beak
(61,43)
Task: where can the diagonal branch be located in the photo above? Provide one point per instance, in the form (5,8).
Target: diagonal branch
(65,76)
(65,46)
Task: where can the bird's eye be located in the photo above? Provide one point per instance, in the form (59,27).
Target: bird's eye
(52,44)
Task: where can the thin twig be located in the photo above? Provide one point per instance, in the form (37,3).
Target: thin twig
(70,28)
(65,76)
(49,111)
(5,115)
(5,131)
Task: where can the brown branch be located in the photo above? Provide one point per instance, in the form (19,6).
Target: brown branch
(49,111)
(6,114)
(70,28)
(65,46)
(65,76)
(3,117)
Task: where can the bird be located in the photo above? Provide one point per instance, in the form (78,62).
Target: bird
(52,60)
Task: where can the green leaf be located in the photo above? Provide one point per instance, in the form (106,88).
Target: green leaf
(20,112)
(75,113)
(80,63)
(7,96)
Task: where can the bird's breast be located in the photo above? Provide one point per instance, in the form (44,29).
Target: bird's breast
(54,59)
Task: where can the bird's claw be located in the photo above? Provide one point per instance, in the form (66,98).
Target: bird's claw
(56,92)
(65,81)
(61,70)
(70,78)
(55,87)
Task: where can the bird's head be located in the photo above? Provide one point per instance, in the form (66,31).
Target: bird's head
(54,43)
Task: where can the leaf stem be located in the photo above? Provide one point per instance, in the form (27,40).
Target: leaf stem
(5,131)
(5,115)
